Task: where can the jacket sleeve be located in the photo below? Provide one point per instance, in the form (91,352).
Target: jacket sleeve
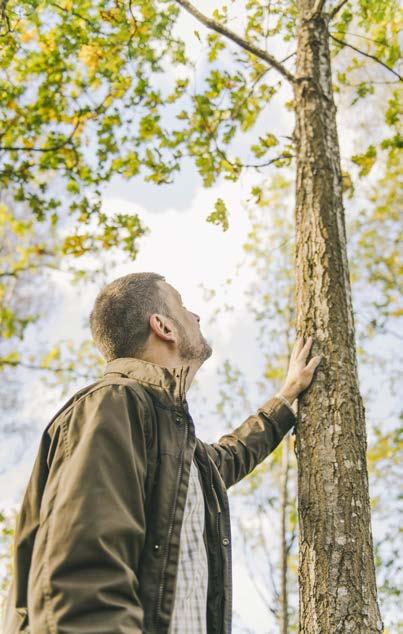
(236,454)
(96,524)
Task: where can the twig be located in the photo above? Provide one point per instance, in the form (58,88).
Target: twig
(219,28)
(7,148)
(31,366)
(373,57)
(264,599)
(4,17)
(337,9)
(81,17)
(317,8)
(30,267)
(364,37)
(274,160)
(235,113)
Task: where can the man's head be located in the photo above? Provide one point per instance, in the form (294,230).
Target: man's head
(141,315)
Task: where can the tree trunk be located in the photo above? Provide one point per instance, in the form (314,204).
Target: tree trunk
(336,574)
(283,531)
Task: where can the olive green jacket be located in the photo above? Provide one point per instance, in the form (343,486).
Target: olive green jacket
(97,538)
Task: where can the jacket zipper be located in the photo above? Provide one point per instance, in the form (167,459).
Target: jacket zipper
(172,515)
(217,528)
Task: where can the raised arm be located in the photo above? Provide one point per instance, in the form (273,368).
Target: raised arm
(236,454)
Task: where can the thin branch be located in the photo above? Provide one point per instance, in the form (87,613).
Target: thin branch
(274,160)
(291,540)
(364,37)
(235,113)
(95,110)
(223,155)
(33,267)
(4,18)
(31,366)
(78,15)
(317,8)
(371,81)
(373,57)
(391,332)
(6,148)
(337,9)
(263,541)
(219,28)
(264,599)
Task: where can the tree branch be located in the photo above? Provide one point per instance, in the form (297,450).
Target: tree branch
(281,157)
(317,8)
(78,15)
(4,18)
(364,37)
(30,267)
(31,366)
(337,9)
(6,148)
(219,28)
(373,57)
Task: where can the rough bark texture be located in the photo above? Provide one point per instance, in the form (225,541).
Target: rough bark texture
(337,574)
(283,529)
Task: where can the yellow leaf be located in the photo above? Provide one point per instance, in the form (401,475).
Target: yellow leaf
(28,36)
(90,55)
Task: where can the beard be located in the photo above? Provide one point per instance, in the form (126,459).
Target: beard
(189,350)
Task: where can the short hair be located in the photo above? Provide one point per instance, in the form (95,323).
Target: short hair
(119,320)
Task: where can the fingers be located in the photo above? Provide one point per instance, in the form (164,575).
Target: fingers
(297,347)
(314,362)
(304,350)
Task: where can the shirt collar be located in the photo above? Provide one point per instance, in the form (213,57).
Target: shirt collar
(173,380)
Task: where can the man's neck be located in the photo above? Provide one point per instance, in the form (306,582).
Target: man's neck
(170,362)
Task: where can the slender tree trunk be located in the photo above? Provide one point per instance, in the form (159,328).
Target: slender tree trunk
(283,531)
(337,575)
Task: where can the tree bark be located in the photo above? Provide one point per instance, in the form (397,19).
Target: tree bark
(283,532)
(336,566)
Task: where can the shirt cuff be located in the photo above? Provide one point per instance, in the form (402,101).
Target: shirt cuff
(285,401)
(280,413)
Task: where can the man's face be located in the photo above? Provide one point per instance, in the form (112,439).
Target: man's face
(191,343)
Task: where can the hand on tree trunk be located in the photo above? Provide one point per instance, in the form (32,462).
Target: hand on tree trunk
(299,375)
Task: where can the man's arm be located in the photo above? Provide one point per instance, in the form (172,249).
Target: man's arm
(237,454)
(95,525)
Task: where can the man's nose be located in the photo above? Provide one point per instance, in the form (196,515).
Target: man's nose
(197,316)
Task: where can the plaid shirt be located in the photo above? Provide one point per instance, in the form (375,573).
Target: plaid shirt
(190,607)
(189,614)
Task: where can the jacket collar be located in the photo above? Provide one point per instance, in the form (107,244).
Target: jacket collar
(173,380)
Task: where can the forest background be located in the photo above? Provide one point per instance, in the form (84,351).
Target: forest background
(213,211)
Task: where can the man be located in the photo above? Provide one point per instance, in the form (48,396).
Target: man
(125,525)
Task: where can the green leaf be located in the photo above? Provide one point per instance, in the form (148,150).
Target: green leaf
(365,161)
(220,214)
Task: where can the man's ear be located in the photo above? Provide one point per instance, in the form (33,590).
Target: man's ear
(162,327)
